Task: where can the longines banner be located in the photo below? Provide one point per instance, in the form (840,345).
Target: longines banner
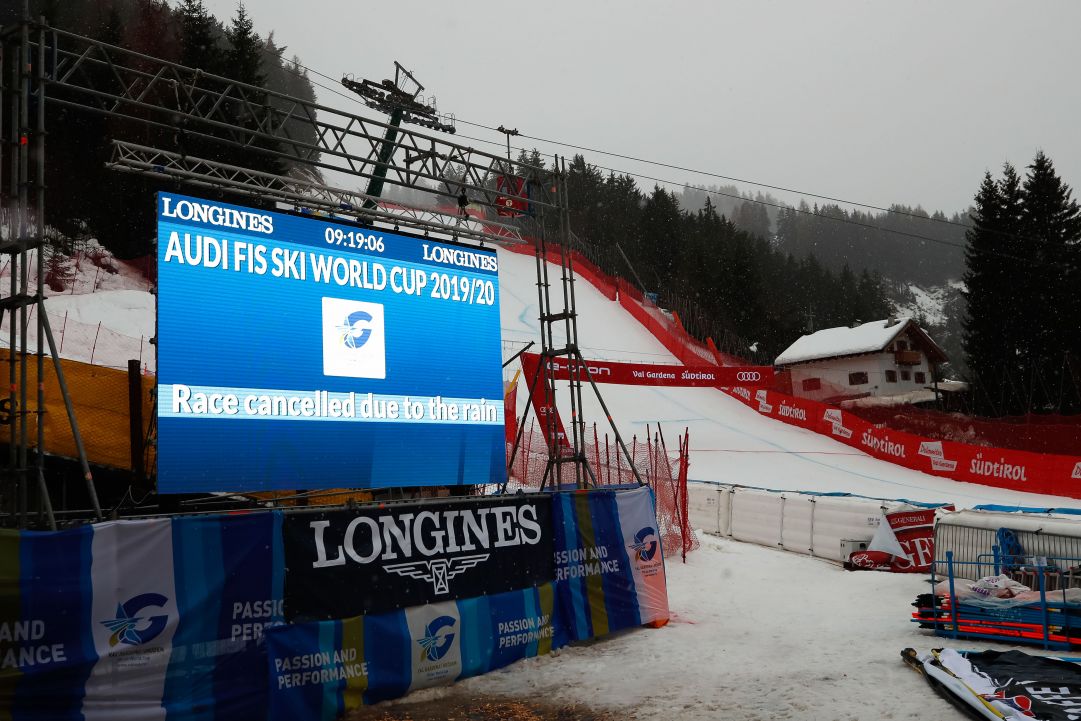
(372,560)
(175,618)
(609,569)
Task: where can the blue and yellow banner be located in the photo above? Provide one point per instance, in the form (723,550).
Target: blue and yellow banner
(182,618)
(609,565)
(608,572)
(154,619)
(324,669)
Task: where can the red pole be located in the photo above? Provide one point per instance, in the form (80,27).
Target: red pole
(684,466)
(607,460)
(597,450)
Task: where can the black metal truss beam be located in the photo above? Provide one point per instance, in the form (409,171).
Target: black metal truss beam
(119,83)
(302,193)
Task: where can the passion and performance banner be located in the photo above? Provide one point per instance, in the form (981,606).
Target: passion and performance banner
(323,670)
(372,560)
(172,618)
(648,374)
(153,619)
(609,566)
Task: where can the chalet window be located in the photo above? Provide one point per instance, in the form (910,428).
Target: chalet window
(921,377)
(857,379)
(906,375)
(891,376)
(902,345)
(812,384)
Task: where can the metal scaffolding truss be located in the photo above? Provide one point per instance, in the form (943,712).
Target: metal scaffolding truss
(192,106)
(202,115)
(305,194)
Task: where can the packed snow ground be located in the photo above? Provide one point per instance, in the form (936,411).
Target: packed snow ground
(104,317)
(756,634)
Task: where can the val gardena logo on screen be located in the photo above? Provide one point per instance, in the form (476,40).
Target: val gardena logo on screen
(354,344)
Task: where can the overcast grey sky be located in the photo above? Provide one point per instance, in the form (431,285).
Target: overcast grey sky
(876,102)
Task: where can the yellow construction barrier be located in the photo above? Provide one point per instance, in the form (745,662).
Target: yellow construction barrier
(100,398)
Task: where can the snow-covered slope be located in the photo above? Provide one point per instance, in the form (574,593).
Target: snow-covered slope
(103,313)
(730,442)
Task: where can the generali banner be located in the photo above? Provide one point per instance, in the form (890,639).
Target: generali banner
(989,466)
(647,374)
(903,543)
(372,560)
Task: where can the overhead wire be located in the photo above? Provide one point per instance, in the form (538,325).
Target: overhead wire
(670,166)
(711,191)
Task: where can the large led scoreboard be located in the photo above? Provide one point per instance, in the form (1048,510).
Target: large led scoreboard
(299,353)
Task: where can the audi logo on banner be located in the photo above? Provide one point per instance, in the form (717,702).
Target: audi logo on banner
(748,376)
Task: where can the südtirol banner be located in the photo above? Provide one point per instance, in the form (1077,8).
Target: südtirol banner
(1000,467)
(647,374)
(372,560)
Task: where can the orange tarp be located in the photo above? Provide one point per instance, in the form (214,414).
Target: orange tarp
(100,398)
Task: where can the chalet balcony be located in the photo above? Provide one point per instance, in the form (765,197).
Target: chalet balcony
(907,357)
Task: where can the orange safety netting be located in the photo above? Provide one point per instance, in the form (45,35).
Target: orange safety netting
(663,471)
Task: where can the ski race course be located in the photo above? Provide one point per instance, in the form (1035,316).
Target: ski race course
(730,443)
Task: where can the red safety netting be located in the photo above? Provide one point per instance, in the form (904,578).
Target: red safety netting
(1034,433)
(663,471)
(986,454)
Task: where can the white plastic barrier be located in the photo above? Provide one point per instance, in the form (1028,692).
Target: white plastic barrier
(704,504)
(757,516)
(847,518)
(823,526)
(798,522)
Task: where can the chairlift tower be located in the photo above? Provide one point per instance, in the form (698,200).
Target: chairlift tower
(400,99)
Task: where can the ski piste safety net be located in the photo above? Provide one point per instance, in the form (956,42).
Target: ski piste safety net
(662,469)
(1037,433)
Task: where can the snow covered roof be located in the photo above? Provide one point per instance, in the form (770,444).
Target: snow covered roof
(870,337)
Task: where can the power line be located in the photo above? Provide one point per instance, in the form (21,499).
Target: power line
(780,206)
(710,174)
(685,169)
